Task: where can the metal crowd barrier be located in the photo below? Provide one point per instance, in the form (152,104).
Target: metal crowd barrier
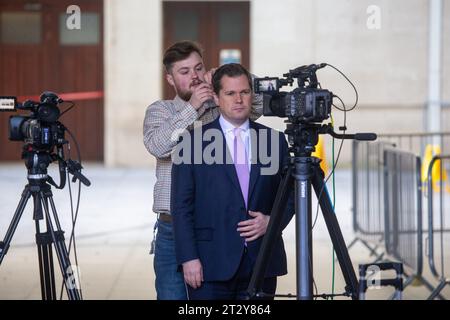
(368,195)
(417,142)
(441,210)
(403,211)
(387,203)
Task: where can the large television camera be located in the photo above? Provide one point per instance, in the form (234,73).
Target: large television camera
(305,104)
(40,129)
(43,136)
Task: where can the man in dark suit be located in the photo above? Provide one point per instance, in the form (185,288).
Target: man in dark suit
(221,189)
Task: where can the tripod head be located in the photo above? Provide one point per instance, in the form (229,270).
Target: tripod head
(303,137)
(37,161)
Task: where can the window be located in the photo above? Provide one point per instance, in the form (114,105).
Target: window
(186,26)
(20,27)
(88,34)
(231,26)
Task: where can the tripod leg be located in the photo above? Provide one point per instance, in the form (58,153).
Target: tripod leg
(335,232)
(4,245)
(46,270)
(60,247)
(273,230)
(303,225)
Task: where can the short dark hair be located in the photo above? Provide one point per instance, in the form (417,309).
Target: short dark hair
(179,51)
(232,70)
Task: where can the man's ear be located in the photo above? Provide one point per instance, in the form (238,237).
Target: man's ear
(169,79)
(216,99)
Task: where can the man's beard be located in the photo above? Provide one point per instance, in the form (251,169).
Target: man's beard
(185,95)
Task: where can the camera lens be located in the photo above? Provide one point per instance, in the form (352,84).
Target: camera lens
(48,112)
(15,124)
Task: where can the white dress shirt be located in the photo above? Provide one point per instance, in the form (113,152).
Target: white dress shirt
(228,128)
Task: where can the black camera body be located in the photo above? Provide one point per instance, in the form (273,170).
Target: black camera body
(305,104)
(32,131)
(43,137)
(41,128)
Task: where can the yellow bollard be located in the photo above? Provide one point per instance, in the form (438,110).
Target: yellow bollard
(426,161)
(437,177)
(320,153)
(430,152)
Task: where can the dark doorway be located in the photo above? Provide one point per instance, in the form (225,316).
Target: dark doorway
(222,28)
(38,52)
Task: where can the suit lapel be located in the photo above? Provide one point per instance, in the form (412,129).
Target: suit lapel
(255,171)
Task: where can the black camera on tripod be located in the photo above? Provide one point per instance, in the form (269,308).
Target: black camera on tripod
(305,104)
(42,133)
(41,128)
(306,107)
(44,139)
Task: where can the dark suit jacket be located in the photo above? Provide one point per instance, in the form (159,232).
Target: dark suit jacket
(207,205)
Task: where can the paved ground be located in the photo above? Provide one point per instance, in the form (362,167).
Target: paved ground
(114,231)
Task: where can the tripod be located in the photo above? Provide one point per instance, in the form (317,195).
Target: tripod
(302,172)
(39,188)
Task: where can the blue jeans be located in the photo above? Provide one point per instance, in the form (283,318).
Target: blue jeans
(169,282)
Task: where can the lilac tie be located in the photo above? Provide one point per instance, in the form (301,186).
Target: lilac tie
(241,163)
